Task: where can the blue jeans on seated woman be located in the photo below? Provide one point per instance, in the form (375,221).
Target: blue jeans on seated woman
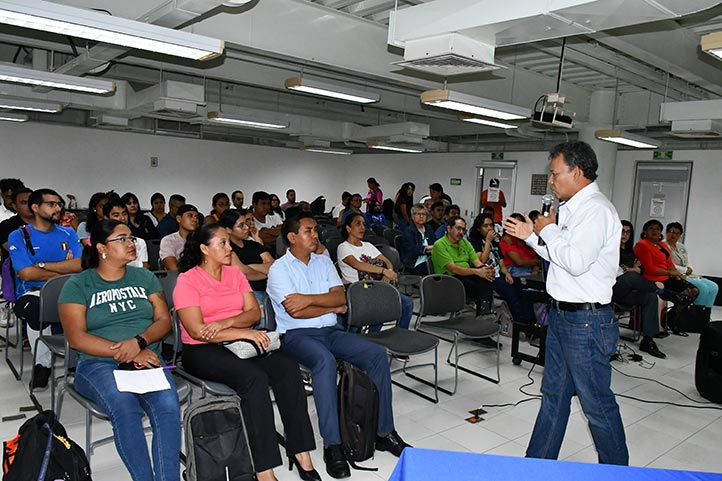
(94,380)
(578,347)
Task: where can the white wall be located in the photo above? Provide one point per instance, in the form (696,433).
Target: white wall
(83,161)
(704,225)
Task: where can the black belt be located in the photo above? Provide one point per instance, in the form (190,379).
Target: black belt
(577,306)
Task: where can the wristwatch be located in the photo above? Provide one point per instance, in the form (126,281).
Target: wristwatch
(142,343)
(41,265)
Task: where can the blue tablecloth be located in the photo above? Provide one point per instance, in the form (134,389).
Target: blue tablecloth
(425,464)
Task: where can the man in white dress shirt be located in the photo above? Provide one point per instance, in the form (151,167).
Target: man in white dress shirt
(583,251)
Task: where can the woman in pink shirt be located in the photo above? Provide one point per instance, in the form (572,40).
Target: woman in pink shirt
(216,304)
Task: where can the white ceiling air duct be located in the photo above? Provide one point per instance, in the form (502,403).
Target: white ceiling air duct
(454,37)
(700,119)
(169,100)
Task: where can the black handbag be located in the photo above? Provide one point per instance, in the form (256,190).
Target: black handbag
(689,318)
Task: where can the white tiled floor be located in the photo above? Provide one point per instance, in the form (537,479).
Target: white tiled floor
(658,435)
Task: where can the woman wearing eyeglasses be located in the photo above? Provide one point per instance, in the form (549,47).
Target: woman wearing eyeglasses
(680,257)
(114,314)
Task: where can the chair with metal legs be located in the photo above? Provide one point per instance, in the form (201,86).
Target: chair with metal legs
(443,295)
(375,302)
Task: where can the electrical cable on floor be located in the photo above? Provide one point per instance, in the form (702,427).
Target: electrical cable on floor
(531,397)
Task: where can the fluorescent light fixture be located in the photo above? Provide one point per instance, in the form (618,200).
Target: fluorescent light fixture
(625,138)
(712,44)
(14,74)
(243,121)
(327,150)
(78,22)
(446,99)
(394,147)
(11,117)
(49,107)
(490,123)
(314,87)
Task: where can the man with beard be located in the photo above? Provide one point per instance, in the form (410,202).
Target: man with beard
(40,251)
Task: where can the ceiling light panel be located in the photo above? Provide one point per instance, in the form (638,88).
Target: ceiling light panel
(446,99)
(47,107)
(395,147)
(11,117)
(78,22)
(21,75)
(244,121)
(340,92)
(625,138)
(327,150)
(489,123)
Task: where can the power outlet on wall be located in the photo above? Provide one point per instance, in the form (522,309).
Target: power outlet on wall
(154,161)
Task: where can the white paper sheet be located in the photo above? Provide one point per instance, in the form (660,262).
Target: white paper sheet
(141,381)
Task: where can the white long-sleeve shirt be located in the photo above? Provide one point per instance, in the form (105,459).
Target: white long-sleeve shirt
(583,248)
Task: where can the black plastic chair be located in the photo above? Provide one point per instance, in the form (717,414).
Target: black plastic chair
(443,295)
(49,294)
(153,246)
(375,302)
(407,282)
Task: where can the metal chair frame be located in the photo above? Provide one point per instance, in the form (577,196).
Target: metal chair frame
(455,324)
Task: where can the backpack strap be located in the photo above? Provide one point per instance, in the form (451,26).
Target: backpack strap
(26,236)
(46,456)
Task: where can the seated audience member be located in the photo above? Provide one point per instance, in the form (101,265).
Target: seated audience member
(113,314)
(654,255)
(169,224)
(267,223)
(450,211)
(157,205)
(455,256)
(631,289)
(67,218)
(402,205)
(387,208)
(116,209)
(419,240)
(519,258)
(307,295)
(374,217)
(484,239)
(294,212)
(55,251)
(216,305)
(354,207)
(140,225)
(252,257)
(290,200)
(276,206)
(7,188)
(707,289)
(219,205)
(436,194)
(93,216)
(374,193)
(494,197)
(357,257)
(171,245)
(436,215)
(338,208)
(237,199)
(24,216)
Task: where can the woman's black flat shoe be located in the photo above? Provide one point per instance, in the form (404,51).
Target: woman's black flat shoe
(661,334)
(680,333)
(303,474)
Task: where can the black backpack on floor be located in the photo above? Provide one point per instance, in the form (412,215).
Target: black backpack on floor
(216,441)
(708,369)
(42,451)
(358,413)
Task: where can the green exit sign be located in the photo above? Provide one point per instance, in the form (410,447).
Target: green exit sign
(662,154)
(455,181)
(497,156)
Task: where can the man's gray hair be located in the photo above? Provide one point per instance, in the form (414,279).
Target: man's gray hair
(416,208)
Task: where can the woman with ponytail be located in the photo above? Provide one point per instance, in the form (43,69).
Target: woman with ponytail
(215,304)
(116,315)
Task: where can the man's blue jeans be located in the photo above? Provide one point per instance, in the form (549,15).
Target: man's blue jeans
(318,348)
(578,347)
(95,381)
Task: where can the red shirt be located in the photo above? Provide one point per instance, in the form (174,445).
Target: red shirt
(497,207)
(653,258)
(517,246)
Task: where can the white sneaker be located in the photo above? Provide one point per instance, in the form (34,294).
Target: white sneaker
(7,317)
